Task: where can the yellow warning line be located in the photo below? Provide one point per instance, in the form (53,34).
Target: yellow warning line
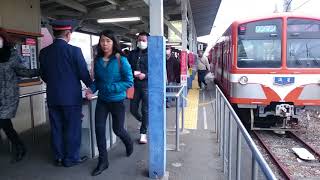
(191,112)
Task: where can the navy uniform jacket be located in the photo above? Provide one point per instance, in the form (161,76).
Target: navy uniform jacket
(62,67)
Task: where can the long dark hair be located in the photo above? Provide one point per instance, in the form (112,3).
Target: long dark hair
(116,46)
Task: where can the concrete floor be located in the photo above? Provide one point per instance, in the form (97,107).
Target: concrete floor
(197,159)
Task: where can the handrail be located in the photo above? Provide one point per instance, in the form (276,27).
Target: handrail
(32,94)
(174,86)
(255,152)
(178,96)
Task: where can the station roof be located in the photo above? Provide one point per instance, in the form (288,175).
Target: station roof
(88,11)
(204,13)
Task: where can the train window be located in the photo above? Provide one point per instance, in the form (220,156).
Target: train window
(303,44)
(260,45)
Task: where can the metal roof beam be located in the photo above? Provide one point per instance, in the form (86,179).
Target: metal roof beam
(114,2)
(73,4)
(87,3)
(191,16)
(121,25)
(174,29)
(167,22)
(104,8)
(62,13)
(117,13)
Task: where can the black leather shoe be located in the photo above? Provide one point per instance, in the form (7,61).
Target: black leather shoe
(129,149)
(19,154)
(100,168)
(81,160)
(58,162)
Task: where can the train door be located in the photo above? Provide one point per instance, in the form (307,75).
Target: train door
(228,66)
(217,64)
(222,64)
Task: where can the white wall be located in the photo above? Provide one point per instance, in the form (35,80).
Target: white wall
(23,15)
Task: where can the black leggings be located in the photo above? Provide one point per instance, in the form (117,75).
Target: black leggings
(117,111)
(12,135)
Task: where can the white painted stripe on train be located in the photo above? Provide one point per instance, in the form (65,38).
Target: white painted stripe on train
(268,81)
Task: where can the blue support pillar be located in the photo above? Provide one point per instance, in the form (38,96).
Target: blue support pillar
(157,111)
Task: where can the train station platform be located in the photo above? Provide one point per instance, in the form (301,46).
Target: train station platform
(197,159)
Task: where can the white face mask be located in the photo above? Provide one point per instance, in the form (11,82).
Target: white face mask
(142,45)
(1,43)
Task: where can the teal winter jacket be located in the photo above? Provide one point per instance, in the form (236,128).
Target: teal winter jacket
(112,80)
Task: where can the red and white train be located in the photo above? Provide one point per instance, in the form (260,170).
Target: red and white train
(270,66)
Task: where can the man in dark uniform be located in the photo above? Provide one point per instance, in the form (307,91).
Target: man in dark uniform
(62,68)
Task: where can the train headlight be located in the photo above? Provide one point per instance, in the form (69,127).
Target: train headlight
(243,80)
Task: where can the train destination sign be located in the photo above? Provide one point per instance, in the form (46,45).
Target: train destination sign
(266,29)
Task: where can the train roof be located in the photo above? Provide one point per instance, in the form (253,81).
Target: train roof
(276,15)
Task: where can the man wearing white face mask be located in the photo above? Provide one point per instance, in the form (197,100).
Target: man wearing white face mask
(138,59)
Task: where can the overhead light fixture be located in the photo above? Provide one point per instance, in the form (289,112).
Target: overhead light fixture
(112,20)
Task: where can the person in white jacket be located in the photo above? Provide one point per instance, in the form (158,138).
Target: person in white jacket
(203,68)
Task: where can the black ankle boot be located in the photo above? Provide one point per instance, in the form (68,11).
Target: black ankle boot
(129,149)
(20,152)
(102,165)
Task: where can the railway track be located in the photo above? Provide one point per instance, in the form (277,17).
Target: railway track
(279,149)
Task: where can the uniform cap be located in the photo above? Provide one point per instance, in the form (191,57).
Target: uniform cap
(59,25)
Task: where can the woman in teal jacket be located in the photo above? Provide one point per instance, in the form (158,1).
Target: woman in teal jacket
(113,76)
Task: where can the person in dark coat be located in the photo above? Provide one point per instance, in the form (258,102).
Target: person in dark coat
(172,67)
(138,60)
(173,71)
(62,68)
(10,69)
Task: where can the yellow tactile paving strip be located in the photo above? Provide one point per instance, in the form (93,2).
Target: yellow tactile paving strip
(191,111)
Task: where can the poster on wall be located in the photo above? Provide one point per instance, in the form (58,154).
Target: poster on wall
(183,68)
(25,50)
(33,52)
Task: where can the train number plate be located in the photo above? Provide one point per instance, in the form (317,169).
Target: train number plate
(283,80)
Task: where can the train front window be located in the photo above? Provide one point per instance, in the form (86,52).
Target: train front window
(303,44)
(259,44)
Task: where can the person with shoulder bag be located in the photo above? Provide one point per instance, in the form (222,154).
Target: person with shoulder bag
(113,76)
